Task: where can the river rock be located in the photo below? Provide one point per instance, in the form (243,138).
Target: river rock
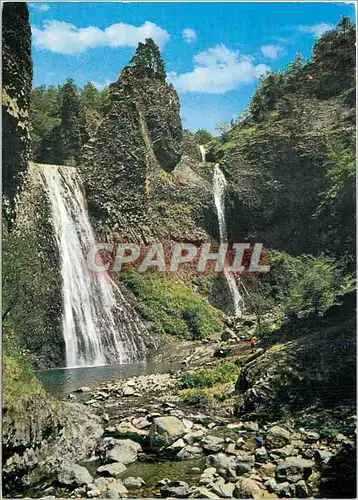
(117,487)
(212,443)
(84,389)
(277,437)
(247,488)
(194,436)
(114,469)
(261,454)
(301,489)
(228,334)
(293,468)
(134,483)
(128,391)
(176,489)
(124,450)
(202,492)
(190,452)
(74,475)
(165,430)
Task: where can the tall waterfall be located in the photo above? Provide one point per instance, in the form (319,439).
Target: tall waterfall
(99,326)
(219,184)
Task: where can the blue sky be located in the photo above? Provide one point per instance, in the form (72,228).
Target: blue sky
(214,52)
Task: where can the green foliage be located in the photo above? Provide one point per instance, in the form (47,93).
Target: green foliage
(203,136)
(221,374)
(172,306)
(308,284)
(196,398)
(148,61)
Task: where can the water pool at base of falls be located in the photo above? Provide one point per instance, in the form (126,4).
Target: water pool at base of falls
(59,382)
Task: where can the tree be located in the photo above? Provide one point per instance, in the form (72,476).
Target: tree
(203,136)
(147,60)
(91,97)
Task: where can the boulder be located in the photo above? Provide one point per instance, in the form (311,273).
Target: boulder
(113,470)
(293,469)
(228,334)
(277,436)
(134,483)
(124,450)
(247,488)
(261,454)
(212,443)
(190,452)
(176,489)
(165,430)
(74,475)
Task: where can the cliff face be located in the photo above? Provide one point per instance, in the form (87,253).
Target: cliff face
(135,163)
(16,79)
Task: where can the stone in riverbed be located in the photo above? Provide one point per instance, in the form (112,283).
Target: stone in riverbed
(278,436)
(114,470)
(293,469)
(247,488)
(202,492)
(134,483)
(124,450)
(164,431)
(128,391)
(212,443)
(176,489)
(84,389)
(190,452)
(74,475)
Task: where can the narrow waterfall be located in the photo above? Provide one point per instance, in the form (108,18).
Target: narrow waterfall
(219,185)
(203,153)
(99,326)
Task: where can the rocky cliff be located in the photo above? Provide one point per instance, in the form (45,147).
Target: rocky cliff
(138,184)
(16,80)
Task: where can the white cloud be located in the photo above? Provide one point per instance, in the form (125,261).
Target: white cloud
(40,7)
(66,38)
(271,51)
(316,30)
(217,70)
(189,35)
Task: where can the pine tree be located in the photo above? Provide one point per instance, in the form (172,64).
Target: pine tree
(148,60)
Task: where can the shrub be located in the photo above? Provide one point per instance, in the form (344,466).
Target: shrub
(172,306)
(224,373)
(196,398)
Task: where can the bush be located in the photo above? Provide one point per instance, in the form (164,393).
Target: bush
(196,398)
(224,373)
(172,306)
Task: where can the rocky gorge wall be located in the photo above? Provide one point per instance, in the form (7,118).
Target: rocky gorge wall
(16,87)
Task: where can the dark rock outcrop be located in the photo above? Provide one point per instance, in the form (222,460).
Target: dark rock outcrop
(16,80)
(315,369)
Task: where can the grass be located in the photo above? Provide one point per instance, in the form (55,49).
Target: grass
(221,374)
(172,306)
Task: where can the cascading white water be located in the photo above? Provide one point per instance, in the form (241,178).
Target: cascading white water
(219,185)
(203,153)
(99,326)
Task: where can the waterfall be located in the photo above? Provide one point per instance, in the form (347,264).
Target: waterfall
(219,185)
(203,153)
(99,326)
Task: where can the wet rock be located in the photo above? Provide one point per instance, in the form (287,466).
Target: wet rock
(247,488)
(176,489)
(134,483)
(114,470)
(293,468)
(165,430)
(212,443)
(74,475)
(124,450)
(84,389)
(277,436)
